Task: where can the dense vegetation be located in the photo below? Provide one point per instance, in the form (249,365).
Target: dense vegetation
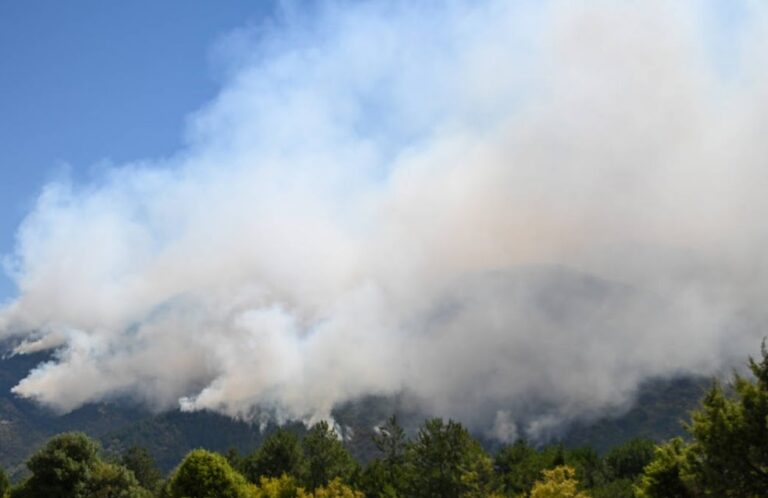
(726,455)
(25,426)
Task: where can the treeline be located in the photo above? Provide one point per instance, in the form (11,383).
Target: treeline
(725,456)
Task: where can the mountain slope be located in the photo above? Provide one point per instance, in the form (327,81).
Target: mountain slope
(24,426)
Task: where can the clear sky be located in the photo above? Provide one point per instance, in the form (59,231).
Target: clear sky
(91,81)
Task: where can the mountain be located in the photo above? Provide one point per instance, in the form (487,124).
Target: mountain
(552,298)
(25,426)
(662,406)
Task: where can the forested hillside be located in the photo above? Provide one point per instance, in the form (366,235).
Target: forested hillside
(726,455)
(565,299)
(24,426)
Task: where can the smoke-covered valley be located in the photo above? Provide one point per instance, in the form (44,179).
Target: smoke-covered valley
(510,213)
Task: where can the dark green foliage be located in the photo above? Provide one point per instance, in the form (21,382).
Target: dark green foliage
(21,491)
(138,460)
(280,454)
(234,459)
(170,436)
(628,460)
(559,456)
(375,481)
(5,484)
(392,443)
(69,467)
(728,454)
(386,476)
(445,461)
(622,488)
(204,474)
(590,469)
(113,481)
(63,467)
(325,456)
(664,477)
(519,465)
(730,437)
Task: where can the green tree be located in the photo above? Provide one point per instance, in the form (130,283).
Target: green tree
(620,488)
(559,482)
(5,484)
(375,481)
(445,461)
(203,474)
(138,460)
(590,469)
(284,486)
(280,454)
(391,443)
(665,476)
(628,460)
(519,466)
(21,490)
(326,457)
(729,454)
(63,467)
(385,477)
(234,458)
(336,489)
(113,481)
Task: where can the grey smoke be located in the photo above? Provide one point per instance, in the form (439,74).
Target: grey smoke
(515,212)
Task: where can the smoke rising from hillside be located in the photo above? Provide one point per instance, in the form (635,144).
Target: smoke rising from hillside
(515,213)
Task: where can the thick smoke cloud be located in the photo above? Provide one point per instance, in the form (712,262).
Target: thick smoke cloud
(514,212)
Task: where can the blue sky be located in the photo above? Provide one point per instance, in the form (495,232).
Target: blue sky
(88,81)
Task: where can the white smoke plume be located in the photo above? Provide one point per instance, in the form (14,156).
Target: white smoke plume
(515,212)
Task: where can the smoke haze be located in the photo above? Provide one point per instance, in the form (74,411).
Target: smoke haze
(515,212)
